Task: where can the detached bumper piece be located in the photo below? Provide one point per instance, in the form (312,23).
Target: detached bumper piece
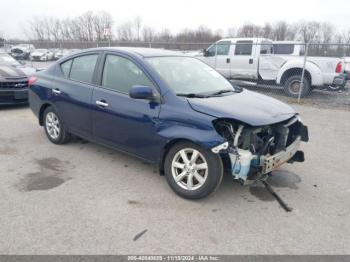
(340,80)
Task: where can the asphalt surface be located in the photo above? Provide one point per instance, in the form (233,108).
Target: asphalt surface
(82,198)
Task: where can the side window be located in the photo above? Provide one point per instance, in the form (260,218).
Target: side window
(211,50)
(244,48)
(223,47)
(83,68)
(266,47)
(121,74)
(65,67)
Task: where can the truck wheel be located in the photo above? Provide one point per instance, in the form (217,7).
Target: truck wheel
(191,171)
(293,84)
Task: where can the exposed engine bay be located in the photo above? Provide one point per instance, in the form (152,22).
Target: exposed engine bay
(256,151)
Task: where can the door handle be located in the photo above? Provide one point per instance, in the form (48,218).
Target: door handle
(101,103)
(56,91)
(251,61)
(228,60)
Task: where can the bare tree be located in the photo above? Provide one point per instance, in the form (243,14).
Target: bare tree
(164,36)
(148,34)
(102,22)
(36,29)
(309,31)
(125,32)
(231,32)
(280,31)
(249,30)
(138,26)
(268,31)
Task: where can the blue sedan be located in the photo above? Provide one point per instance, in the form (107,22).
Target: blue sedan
(168,109)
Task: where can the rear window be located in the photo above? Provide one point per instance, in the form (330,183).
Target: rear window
(83,68)
(65,67)
(244,48)
(283,49)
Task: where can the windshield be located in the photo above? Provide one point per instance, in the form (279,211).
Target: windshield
(8,60)
(187,75)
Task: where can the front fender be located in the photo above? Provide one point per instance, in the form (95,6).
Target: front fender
(173,132)
(313,69)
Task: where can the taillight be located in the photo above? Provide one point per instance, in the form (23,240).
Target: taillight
(32,80)
(339,68)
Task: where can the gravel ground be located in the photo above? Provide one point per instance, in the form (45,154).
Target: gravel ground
(82,198)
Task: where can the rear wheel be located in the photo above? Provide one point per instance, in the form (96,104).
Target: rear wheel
(191,171)
(54,128)
(292,86)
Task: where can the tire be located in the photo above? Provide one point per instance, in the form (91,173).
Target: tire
(204,181)
(291,87)
(54,128)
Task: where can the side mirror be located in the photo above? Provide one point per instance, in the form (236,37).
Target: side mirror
(205,52)
(142,92)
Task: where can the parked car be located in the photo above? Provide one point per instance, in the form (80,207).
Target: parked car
(63,52)
(169,109)
(252,59)
(22,51)
(41,55)
(13,80)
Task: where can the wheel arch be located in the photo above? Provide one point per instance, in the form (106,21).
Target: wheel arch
(166,148)
(295,71)
(41,112)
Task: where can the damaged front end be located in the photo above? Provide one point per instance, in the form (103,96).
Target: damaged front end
(254,152)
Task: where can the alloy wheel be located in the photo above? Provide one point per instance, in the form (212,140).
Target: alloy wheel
(52,125)
(189,169)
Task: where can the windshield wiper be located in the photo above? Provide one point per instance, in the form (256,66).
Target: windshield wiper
(191,95)
(221,92)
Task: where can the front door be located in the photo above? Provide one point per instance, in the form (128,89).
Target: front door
(119,120)
(218,57)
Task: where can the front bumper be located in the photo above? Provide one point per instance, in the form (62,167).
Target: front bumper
(12,97)
(38,58)
(248,166)
(19,55)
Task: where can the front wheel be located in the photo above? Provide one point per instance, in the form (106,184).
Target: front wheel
(191,171)
(292,86)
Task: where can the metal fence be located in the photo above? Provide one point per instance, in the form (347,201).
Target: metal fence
(295,72)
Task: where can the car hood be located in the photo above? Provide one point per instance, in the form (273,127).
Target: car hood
(8,71)
(247,107)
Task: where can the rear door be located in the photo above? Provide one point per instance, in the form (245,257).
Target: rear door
(72,93)
(244,62)
(119,120)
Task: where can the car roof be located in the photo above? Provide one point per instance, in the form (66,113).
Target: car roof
(254,39)
(139,51)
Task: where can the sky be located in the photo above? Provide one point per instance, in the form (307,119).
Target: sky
(178,14)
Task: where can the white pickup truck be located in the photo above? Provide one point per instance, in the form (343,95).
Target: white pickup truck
(252,59)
